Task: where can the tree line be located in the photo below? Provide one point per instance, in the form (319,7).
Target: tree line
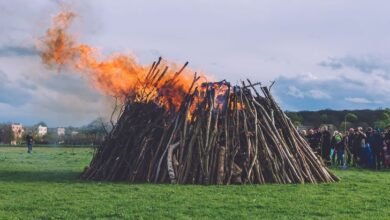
(379,118)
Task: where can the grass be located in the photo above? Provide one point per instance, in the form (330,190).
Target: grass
(47,145)
(44,185)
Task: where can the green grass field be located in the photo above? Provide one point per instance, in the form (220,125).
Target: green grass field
(45,185)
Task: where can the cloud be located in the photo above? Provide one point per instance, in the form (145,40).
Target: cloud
(32,100)
(11,94)
(358,100)
(66,99)
(318,94)
(336,93)
(332,63)
(295,92)
(70,84)
(30,93)
(365,64)
(313,93)
(8,50)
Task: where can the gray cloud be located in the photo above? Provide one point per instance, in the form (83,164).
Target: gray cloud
(11,94)
(358,100)
(58,99)
(332,63)
(295,92)
(7,50)
(318,94)
(365,64)
(335,93)
(70,84)
(27,85)
(352,81)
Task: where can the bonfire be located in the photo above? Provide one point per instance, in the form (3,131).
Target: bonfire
(176,127)
(218,134)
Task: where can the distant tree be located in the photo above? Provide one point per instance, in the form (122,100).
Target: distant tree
(386,116)
(370,117)
(94,131)
(97,126)
(324,118)
(51,138)
(6,133)
(351,117)
(345,125)
(296,118)
(362,124)
(384,120)
(380,124)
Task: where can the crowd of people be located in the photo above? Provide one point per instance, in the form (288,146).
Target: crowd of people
(355,147)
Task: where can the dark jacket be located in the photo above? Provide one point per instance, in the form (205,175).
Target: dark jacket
(377,143)
(358,142)
(350,141)
(325,139)
(313,141)
(29,140)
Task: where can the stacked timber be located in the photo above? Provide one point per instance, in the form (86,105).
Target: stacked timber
(218,134)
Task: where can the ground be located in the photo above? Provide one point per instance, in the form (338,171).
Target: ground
(45,185)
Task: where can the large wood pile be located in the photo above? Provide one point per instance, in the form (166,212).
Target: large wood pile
(220,134)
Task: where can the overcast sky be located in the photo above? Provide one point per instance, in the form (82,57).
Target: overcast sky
(322,54)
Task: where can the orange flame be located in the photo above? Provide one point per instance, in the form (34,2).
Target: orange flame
(119,75)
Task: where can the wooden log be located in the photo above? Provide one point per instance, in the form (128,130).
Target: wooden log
(221,165)
(171,171)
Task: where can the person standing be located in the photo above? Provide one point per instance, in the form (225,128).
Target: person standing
(355,148)
(348,144)
(376,148)
(317,142)
(359,146)
(386,150)
(311,138)
(333,142)
(337,145)
(29,141)
(325,144)
(344,151)
(370,142)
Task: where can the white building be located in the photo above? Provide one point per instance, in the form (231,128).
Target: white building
(17,129)
(42,130)
(60,131)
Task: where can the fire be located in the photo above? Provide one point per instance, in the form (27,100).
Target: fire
(118,75)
